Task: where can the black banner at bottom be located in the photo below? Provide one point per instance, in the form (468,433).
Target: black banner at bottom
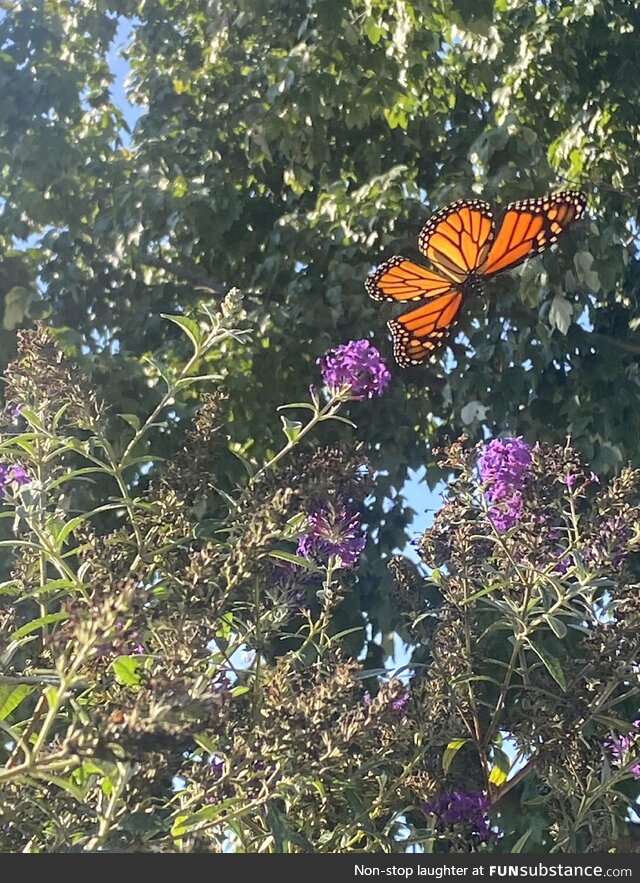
(350,867)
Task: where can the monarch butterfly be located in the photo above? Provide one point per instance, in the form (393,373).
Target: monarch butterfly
(462,245)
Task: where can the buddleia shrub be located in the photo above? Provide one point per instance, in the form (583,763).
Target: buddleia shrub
(528,648)
(172,675)
(172,682)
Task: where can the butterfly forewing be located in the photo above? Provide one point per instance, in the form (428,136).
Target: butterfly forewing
(399,279)
(529,226)
(456,239)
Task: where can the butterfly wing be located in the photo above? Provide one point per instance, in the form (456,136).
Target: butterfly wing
(457,238)
(399,279)
(420,332)
(529,226)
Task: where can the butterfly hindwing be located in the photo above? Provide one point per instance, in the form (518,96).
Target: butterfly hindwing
(529,226)
(456,239)
(399,279)
(420,332)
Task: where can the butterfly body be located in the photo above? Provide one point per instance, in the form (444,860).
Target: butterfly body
(463,246)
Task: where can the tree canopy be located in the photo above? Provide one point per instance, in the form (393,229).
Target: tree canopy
(285,149)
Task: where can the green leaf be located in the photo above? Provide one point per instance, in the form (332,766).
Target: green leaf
(277,827)
(183,824)
(56,585)
(69,527)
(179,186)
(486,591)
(127,669)
(283,833)
(551,664)
(32,418)
(296,522)
(189,326)
(500,768)
(37,624)
(304,405)
(613,723)
(557,626)
(184,382)
(294,559)
(179,827)
(12,696)
(371,673)
(450,752)
(132,419)
(205,742)
(340,419)
(520,842)
(373,31)
(159,369)
(583,262)
(16,306)
(560,313)
(292,428)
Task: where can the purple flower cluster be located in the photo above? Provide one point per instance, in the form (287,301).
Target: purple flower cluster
(624,747)
(11,474)
(504,466)
(563,564)
(399,703)
(333,532)
(467,808)
(356,366)
(216,765)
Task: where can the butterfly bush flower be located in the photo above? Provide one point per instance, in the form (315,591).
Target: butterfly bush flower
(563,564)
(216,765)
(333,531)
(624,747)
(467,808)
(356,365)
(504,466)
(399,703)
(11,475)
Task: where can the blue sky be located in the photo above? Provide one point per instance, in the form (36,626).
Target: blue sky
(120,70)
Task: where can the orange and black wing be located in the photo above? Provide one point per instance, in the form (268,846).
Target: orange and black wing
(399,279)
(528,227)
(420,332)
(457,238)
